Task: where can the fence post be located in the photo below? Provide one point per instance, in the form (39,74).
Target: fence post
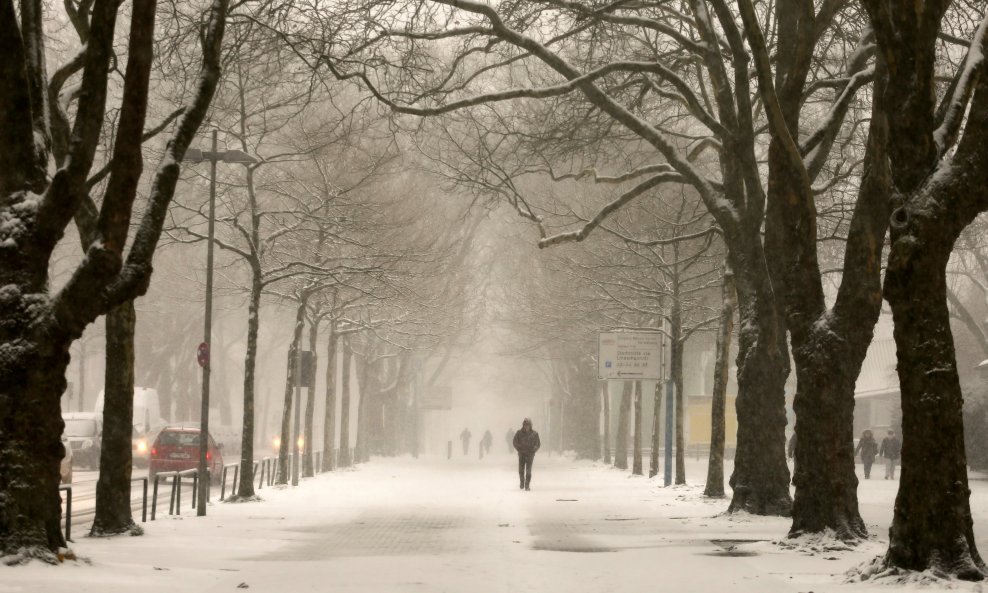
(178,498)
(144,505)
(154,496)
(195,489)
(174,496)
(68,511)
(223,484)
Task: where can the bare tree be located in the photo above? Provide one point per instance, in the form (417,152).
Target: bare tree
(32,378)
(937,161)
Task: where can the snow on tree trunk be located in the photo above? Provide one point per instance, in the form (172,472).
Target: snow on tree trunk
(931,526)
(718,416)
(32,379)
(245,489)
(284,450)
(113,506)
(761,476)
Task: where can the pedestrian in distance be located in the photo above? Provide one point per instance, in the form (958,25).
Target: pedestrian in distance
(509,438)
(890,451)
(487,441)
(465,439)
(868,449)
(526,442)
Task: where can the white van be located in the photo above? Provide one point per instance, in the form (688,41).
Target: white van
(147,421)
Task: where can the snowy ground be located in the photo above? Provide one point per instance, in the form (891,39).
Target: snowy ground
(456,526)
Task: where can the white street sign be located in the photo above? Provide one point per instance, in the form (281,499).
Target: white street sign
(629,355)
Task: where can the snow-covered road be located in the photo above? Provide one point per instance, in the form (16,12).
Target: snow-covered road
(433,525)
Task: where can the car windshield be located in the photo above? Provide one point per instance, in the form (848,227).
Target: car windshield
(178,439)
(80,428)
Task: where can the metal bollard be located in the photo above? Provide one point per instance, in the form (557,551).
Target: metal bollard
(144,504)
(195,489)
(154,496)
(68,511)
(173,496)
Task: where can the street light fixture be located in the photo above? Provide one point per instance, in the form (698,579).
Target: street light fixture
(194,155)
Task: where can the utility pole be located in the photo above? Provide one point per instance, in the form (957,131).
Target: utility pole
(207,337)
(194,155)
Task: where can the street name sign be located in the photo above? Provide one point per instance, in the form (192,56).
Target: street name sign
(629,355)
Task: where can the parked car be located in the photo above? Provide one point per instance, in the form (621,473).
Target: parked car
(66,467)
(176,448)
(84,431)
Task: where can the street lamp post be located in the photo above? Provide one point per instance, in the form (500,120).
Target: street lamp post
(197,156)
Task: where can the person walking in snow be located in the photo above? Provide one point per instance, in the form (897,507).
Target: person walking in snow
(526,442)
(890,450)
(465,438)
(509,437)
(868,449)
(486,441)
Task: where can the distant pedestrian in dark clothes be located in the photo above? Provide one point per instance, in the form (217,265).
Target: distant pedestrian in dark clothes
(465,438)
(891,449)
(509,437)
(486,441)
(526,442)
(868,449)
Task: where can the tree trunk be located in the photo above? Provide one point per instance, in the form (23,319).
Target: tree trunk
(30,446)
(829,347)
(636,463)
(310,402)
(676,343)
(606,393)
(113,511)
(653,467)
(345,459)
(933,488)
(363,397)
(329,425)
(761,475)
(285,448)
(245,489)
(621,446)
(718,416)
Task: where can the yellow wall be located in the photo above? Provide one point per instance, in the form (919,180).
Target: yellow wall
(698,421)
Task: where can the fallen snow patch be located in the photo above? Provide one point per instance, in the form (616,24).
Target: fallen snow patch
(875,571)
(815,543)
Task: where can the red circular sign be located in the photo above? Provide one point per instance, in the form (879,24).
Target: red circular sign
(202,354)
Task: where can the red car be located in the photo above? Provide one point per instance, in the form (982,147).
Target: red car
(176,448)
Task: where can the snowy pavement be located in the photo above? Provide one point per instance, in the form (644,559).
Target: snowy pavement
(431,525)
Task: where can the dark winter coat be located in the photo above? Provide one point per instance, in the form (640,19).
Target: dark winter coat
(868,449)
(891,448)
(526,442)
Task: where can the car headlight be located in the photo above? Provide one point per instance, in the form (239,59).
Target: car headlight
(142,446)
